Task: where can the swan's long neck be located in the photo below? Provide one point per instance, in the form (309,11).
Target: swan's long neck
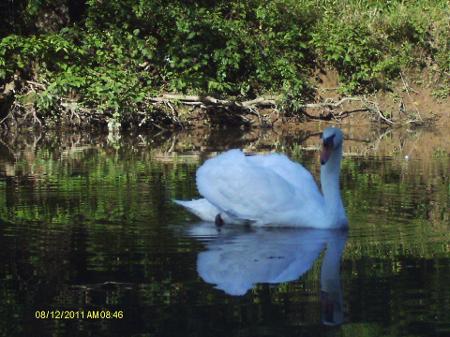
(329,179)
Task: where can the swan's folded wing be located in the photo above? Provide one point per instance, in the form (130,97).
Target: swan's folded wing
(234,184)
(294,173)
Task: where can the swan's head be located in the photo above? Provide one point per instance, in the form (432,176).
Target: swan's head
(332,139)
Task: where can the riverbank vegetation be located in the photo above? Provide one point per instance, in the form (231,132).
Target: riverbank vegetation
(149,63)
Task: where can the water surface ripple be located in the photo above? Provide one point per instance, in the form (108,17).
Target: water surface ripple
(91,226)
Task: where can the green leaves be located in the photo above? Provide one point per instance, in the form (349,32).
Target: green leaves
(125,49)
(368,43)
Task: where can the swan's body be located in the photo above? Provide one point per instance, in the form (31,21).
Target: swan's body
(271,189)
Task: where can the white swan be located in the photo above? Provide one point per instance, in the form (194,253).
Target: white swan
(271,189)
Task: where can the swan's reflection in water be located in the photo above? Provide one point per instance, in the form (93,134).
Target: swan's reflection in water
(236,259)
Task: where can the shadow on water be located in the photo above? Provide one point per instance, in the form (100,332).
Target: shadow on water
(87,223)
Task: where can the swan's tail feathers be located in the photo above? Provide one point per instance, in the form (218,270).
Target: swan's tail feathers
(208,212)
(184,203)
(201,208)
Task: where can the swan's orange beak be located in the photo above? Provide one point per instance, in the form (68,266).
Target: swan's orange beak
(325,154)
(327,147)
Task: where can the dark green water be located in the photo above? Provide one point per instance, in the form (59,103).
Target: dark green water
(89,225)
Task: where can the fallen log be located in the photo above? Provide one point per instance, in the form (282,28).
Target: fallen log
(252,106)
(164,110)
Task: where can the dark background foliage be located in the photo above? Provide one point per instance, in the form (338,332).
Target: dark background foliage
(112,55)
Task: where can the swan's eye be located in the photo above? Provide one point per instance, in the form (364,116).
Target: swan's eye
(328,142)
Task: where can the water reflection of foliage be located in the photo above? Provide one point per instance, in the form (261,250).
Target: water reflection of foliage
(84,209)
(98,183)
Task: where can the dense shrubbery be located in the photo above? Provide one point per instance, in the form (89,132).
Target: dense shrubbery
(371,42)
(114,54)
